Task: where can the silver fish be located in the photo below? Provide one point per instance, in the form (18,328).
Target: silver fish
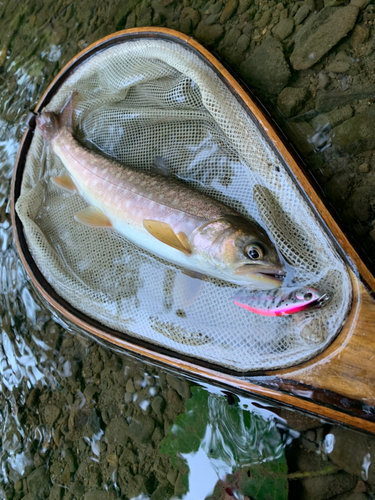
(161,214)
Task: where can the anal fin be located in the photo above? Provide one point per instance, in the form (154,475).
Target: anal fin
(93,217)
(163,232)
(65,182)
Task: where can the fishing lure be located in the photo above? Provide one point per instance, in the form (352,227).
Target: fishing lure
(278,303)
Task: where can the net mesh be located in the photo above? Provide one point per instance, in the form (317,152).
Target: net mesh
(148,98)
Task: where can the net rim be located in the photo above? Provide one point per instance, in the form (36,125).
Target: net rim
(43,286)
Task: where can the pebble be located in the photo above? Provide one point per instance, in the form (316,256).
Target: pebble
(51,414)
(291,100)
(229,9)
(320,33)
(353,463)
(38,483)
(180,385)
(356,134)
(333,118)
(364,168)
(243,6)
(360,35)
(209,35)
(338,67)
(301,14)
(328,100)
(265,19)
(283,29)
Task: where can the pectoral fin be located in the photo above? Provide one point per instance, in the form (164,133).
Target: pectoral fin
(93,217)
(164,233)
(65,182)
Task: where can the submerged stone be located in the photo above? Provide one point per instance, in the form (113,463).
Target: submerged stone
(320,33)
(267,68)
(356,134)
(39,483)
(283,29)
(327,101)
(291,100)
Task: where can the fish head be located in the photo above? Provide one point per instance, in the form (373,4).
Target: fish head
(242,250)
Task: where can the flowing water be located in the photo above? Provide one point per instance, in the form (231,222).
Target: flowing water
(79,419)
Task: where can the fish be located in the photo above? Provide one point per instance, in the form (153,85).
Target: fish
(279,303)
(160,213)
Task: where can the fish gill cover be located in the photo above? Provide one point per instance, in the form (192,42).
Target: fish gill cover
(245,450)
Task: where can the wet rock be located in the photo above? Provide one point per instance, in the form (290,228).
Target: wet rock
(333,118)
(33,397)
(364,168)
(158,405)
(291,100)
(353,463)
(357,134)
(301,14)
(243,43)
(216,7)
(360,35)
(117,432)
(360,201)
(180,385)
(354,496)
(189,19)
(283,29)
(3,54)
(361,4)
(70,460)
(130,386)
(100,495)
(56,492)
(338,67)
(320,33)
(140,430)
(162,493)
(326,486)
(327,101)
(243,6)
(229,9)
(51,414)
(298,421)
(209,35)
(266,68)
(39,483)
(90,391)
(265,19)
(301,134)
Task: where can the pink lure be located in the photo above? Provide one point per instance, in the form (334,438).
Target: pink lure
(278,303)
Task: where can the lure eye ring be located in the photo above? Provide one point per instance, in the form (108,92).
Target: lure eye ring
(306,295)
(254,252)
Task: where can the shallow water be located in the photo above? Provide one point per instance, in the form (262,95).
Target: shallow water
(80,420)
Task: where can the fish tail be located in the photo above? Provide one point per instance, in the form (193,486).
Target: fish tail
(49,123)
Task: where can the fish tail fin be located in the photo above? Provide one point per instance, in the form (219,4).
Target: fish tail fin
(49,123)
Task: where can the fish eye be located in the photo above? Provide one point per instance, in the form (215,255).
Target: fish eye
(254,252)
(308,296)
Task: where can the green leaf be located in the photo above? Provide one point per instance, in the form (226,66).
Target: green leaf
(248,445)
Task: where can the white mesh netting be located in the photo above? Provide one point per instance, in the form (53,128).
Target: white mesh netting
(149,98)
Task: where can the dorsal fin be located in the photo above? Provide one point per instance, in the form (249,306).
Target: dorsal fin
(164,233)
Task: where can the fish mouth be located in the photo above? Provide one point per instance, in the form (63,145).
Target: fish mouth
(273,277)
